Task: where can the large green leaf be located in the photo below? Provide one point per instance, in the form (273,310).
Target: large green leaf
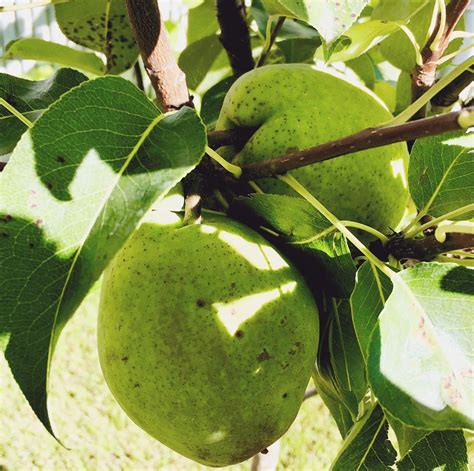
(330,17)
(202,21)
(363,37)
(31,99)
(367,446)
(399,49)
(346,359)
(420,356)
(47,51)
(371,290)
(300,229)
(100,25)
(75,188)
(197,59)
(440,175)
(439,450)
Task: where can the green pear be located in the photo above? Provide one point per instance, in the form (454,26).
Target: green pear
(207,337)
(293,107)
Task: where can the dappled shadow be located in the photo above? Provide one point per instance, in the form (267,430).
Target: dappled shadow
(32,271)
(222,319)
(458,280)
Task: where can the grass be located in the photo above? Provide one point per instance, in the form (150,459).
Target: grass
(99,436)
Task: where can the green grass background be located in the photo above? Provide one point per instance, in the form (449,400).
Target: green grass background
(99,436)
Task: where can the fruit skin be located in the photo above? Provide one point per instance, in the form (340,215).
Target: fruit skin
(295,107)
(214,394)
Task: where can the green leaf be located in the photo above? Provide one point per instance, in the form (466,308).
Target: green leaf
(30,98)
(197,59)
(398,49)
(291,29)
(363,37)
(440,172)
(367,445)
(330,17)
(299,50)
(213,99)
(300,228)
(202,21)
(407,436)
(439,450)
(364,68)
(371,290)
(423,374)
(345,355)
(75,188)
(339,373)
(47,51)
(103,26)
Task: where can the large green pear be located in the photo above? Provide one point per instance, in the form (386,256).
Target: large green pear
(207,337)
(295,107)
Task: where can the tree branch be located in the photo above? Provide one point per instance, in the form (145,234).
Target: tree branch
(424,76)
(2,165)
(235,37)
(449,95)
(271,40)
(427,248)
(362,140)
(167,79)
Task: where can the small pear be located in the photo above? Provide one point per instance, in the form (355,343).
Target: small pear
(207,337)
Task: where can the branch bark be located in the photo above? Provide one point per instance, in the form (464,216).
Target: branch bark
(449,95)
(424,76)
(362,140)
(167,79)
(427,248)
(235,37)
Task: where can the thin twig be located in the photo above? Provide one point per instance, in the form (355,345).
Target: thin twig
(167,79)
(139,76)
(235,37)
(449,95)
(362,140)
(273,35)
(426,248)
(424,76)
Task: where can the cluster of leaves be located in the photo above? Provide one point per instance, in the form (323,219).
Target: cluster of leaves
(90,155)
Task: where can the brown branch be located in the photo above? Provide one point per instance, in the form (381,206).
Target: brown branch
(2,165)
(449,95)
(362,140)
(424,76)
(427,248)
(139,76)
(274,34)
(235,37)
(167,79)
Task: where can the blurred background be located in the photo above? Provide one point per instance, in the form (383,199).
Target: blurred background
(95,433)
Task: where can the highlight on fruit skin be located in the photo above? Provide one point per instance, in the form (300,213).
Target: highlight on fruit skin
(207,337)
(294,107)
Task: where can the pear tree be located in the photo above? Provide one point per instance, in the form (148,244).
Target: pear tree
(276,202)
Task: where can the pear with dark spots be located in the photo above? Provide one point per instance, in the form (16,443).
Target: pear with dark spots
(207,337)
(294,107)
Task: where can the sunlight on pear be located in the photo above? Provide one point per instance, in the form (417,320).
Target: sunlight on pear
(235,313)
(260,256)
(216,436)
(398,169)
